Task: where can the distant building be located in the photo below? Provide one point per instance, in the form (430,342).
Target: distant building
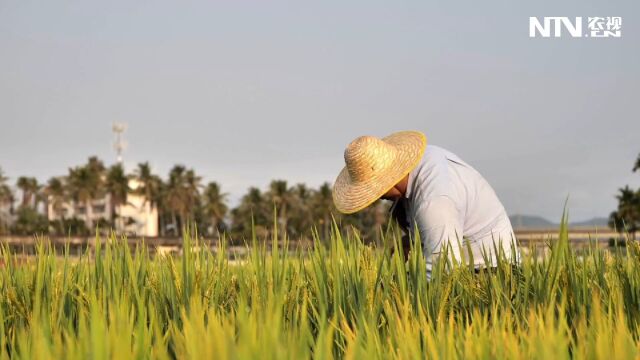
(6,216)
(137,217)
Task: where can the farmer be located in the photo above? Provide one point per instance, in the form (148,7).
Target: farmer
(434,191)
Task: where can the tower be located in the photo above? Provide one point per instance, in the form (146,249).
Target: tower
(119,144)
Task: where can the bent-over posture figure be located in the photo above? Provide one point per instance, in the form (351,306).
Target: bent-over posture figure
(433,190)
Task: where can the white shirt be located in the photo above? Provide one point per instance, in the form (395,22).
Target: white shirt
(447,200)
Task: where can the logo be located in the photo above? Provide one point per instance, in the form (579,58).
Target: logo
(558,26)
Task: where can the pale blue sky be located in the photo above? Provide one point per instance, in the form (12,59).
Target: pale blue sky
(249,91)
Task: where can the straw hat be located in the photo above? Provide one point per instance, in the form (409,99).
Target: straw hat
(374,166)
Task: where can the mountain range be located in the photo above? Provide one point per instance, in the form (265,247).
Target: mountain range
(533,221)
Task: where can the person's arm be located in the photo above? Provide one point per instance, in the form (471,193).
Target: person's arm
(398,213)
(439,224)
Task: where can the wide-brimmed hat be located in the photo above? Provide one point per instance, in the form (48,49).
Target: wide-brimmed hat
(373,166)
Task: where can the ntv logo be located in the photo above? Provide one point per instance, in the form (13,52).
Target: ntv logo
(610,26)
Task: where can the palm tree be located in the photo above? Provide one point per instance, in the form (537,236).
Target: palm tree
(627,216)
(191,195)
(252,207)
(182,195)
(164,215)
(85,183)
(6,194)
(300,214)
(55,194)
(281,198)
(117,186)
(215,205)
(323,208)
(174,195)
(6,200)
(148,184)
(29,187)
(23,184)
(150,187)
(96,166)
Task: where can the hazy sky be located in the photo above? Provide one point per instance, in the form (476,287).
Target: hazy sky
(248,91)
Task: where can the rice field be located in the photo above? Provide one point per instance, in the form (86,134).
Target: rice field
(339,299)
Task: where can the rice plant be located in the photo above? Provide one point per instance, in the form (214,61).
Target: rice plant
(339,299)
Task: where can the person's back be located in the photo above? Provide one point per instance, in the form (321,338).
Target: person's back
(449,199)
(450,204)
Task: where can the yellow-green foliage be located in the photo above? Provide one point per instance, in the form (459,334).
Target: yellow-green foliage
(343,299)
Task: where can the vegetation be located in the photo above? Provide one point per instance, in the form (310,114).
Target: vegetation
(117,186)
(29,187)
(85,184)
(29,222)
(181,199)
(344,299)
(6,203)
(627,216)
(215,207)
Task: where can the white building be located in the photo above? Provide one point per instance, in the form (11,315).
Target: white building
(135,218)
(138,216)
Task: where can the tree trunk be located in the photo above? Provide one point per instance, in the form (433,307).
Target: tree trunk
(89,215)
(214,224)
(174,219)
(284,220)
(160,224)
(116,218)
(183,222)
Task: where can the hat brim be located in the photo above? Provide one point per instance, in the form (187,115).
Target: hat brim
(350,197)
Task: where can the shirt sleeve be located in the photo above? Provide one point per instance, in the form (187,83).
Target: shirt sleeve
(439,224)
